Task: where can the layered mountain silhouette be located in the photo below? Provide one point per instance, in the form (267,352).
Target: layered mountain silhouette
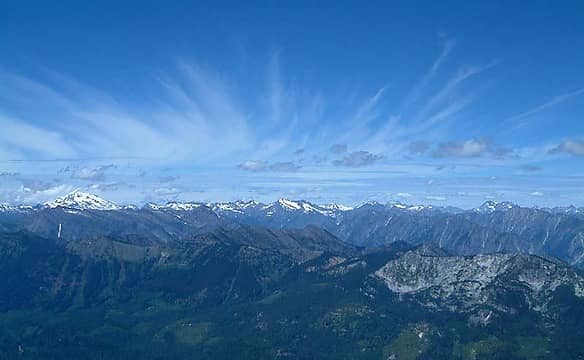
(289,279)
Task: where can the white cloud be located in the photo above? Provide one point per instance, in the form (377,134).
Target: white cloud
(27,195)
(29,140)
(467,148)
(358,159)
(92,173)
(570,146)
(75,121)
(253,165)
(415,93)
(556,100)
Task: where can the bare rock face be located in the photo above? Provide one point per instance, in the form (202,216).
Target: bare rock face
(467,283)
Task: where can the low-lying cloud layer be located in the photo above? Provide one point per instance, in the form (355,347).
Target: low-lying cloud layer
(260,165)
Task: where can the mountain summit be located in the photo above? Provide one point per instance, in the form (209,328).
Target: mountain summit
(82,201)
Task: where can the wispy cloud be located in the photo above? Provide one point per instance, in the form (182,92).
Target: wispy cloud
(198,122)
(20,140)
(104,187)
(76,121)
(556,100)
(447,101)
(419,87)
(260,165)
(285,166)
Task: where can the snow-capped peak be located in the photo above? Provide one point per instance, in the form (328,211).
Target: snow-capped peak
(492,206)
(397,205)
(178,206)
(174,205)
(246,204)
(301,205)
(82,201)
(307,207)
(336,207)
(289,204)
(402,206)
(238,206)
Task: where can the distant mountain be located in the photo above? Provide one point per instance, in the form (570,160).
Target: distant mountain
(5,208)
(176,206)
(492,227)
(289,279)
(82,201)
(492,206)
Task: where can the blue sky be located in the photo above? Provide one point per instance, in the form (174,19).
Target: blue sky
(448,103)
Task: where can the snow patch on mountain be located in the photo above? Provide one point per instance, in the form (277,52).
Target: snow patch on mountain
(330,210)
(178,206)
(414,208)
(174,206)
(238,206)
(491,206)
(336,207)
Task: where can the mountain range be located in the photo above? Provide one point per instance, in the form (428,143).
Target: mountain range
(291,279)
(492,227)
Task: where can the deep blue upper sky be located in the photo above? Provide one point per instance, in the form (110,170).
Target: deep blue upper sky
(449,103)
